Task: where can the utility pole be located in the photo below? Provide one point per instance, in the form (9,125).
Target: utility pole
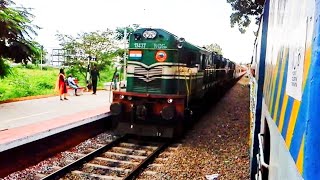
(125,55)
(41,54)
(88,69)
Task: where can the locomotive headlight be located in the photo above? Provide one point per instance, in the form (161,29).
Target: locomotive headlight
(116,109)
(168,112)
(129,98)
(170,101)
(141,112)
(149,34)
(121,96)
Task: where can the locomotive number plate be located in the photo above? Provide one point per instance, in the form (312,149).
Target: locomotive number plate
(140,45)
(160,46)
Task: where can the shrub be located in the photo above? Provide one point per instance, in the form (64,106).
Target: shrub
(27,82)
(45,85)
(24,82)
(31,66)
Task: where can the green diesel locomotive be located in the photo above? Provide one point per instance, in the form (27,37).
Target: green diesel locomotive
(167,79)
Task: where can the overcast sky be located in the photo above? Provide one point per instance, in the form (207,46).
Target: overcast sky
(200,22)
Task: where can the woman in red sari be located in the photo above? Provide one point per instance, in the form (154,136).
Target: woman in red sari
(61,85)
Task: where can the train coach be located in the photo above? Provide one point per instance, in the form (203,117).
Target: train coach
(285,86)
(167,80)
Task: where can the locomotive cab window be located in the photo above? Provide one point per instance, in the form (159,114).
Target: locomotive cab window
(202,61)
(189,58)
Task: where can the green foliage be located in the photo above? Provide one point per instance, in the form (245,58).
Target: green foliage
(15,30)
(44,85)
(77,68)
(4,67)
(120,36)
(39,53)
(130,29)
(214,47)
(96,47)
(105,76)
(243,11)
(30,66)
(47,68)
(24,82)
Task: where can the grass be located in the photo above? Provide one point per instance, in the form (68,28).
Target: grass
(28,81)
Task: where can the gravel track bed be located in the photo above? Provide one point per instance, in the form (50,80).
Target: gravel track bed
(61,159)
(159,161)
(153,171)
(218,143)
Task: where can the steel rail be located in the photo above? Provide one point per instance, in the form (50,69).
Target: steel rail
(66,169)
(136,171)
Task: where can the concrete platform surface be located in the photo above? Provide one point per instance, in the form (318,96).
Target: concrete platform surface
(22,113)
(26,121)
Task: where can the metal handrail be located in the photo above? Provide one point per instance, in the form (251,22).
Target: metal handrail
(258,175)
(263,163)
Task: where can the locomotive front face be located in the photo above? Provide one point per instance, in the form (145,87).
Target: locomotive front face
(153,63)
(159,83)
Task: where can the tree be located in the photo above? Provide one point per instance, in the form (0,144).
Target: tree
(214,47)
(119,34)
(95,47)
(39,53)
(15,31)
(130,29)
(243,11)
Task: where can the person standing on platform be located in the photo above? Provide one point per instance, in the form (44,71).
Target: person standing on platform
(115,79)
(94,78)
(61,86)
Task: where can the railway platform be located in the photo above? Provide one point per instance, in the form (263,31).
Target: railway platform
(27,121)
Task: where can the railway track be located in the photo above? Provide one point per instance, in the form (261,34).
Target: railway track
(124,158)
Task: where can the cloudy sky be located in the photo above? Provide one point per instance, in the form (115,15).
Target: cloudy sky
(200,22)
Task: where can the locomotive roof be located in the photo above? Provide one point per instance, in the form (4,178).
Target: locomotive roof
(187,44)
